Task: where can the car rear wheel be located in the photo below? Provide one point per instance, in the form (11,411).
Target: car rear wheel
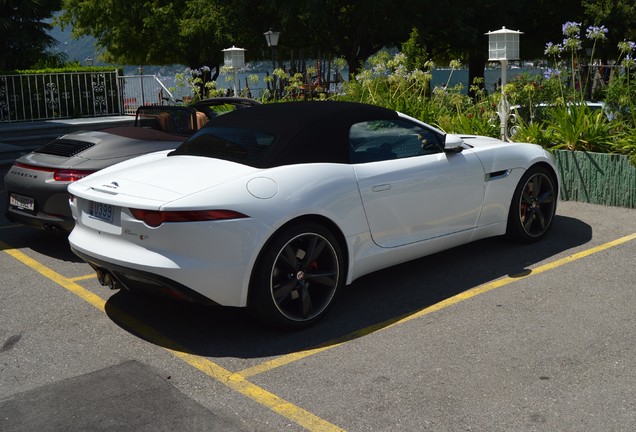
(297,276)
(533,206)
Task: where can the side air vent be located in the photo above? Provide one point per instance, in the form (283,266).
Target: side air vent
(63,147)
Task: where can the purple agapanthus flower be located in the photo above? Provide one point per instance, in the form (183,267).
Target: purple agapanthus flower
(626,46)
(596,33)
(572,43)
(551,73)
(571,28)
(552,49)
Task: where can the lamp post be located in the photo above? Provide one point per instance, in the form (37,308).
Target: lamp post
(140,69)
(234,58)
(272,41)
(503,45)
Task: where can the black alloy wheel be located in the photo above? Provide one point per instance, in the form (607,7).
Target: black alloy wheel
(297,276)
(533,206)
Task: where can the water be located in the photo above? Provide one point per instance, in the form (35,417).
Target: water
(491,77)
(439,78)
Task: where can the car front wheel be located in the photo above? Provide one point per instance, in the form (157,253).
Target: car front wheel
(297,276)
(533,206)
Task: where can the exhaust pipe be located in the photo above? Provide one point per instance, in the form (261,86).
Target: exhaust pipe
(100,277)
(55,230)
(107,280)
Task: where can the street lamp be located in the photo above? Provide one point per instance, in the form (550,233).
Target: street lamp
(89,61)
(234,58)
(503,45)
(272,41)
(140,69)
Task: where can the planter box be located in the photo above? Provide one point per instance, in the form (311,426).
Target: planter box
(597,178)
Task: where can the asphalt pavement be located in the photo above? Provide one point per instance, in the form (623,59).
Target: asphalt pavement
(491,336)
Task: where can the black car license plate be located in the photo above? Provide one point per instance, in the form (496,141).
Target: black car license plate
(22,202)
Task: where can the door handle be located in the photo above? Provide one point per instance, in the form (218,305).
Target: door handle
(381,188)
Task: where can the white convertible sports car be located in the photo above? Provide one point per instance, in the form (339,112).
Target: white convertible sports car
(277,207)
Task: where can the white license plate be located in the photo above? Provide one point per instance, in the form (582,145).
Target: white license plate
(22,202)
(103,212)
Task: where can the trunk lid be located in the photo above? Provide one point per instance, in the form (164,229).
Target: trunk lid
(158,182)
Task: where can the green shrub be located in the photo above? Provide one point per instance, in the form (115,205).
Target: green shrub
(576,127)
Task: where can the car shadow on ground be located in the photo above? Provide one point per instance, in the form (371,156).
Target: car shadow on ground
(373,301)
(40,242)
(19,236)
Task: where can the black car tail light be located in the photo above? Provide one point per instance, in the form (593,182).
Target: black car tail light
(155,218)
(65,175)
(70,175)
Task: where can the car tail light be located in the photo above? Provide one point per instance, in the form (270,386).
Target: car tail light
(65,175)
(70,175)
(155,218)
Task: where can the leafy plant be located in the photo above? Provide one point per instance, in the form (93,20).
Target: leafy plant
(533,132)
(194,84)
(625,143)
(387,81)
(576,127)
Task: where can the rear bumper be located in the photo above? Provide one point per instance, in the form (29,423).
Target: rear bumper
(51,209)
(188,260)
(53,224)
(139,280)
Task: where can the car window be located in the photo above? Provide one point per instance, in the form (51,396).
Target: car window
(380,140)
(213,110)
(233,144)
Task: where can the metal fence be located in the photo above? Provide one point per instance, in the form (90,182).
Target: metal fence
(143,90)
(28,97)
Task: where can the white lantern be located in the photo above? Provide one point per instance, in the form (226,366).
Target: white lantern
(272,38)
(234,57)
(503,44)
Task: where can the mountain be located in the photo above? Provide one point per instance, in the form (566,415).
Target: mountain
(75,49)
(84,48)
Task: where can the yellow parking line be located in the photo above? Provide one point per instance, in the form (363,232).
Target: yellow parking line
(4,227)
(232,380)
(76,289)
(81,278)
(290,358)
(238,380)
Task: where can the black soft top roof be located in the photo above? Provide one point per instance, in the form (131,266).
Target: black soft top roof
(305,132)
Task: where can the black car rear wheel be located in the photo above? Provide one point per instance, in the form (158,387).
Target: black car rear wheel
(297,276)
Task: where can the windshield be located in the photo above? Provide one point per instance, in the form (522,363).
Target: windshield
(233,144)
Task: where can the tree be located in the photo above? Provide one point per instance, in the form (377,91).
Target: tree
(352,29)
(618,16)
(193,32)
(147,32)
(25,42)
(457,30)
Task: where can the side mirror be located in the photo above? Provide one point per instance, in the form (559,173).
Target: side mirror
(453,144)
